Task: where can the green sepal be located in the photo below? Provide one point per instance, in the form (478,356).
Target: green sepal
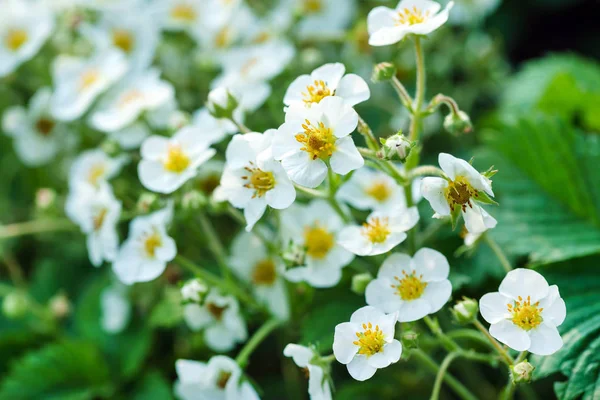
(483,197)
(412,160)
(455,215)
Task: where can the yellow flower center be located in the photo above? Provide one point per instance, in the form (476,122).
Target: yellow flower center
(370,341)
(264,272)
(15,38)
(318,140)
(460,192)
(129,97)
(215,310)
(177,161)
(96,173)
(376,230)
(259,180)
(98,219)
(44,126)
(313,6)
(318,241)
(151,243)
(184,12)
(316,92)
(223,379)
(412,16)
(223,38)
(410,287)
(524,314)
(123,39)
(88,78)
(380,191)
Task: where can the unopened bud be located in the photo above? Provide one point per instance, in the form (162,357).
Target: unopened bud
(458,123)
(194,290)
(294,255)
(60,306)
(383,72)
(15,305)
(410,339)
(522,372)
(221,103)
(146,202)
(397,145)
(193,200)
(45,198)
(360,282)
(465,311)
(110,147)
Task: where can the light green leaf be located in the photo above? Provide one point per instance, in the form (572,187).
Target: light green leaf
(579,359)
(61,371)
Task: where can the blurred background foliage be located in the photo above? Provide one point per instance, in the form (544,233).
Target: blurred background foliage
(529,77)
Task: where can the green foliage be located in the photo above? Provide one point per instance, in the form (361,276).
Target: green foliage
(168,313)
(579,359)
(153,386)
(70,370)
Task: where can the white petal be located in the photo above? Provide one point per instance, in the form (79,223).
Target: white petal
(352,239)
(254,211)
(437,294)
(511,335)
(305,171)
(346,157)
(353,89)
(338,116)
(474,219)
(366,314)
(295,90)
(300,354)
(524,282)
(324,277)
(343,338)
(554,306)
(393,240)
(387,36)
(154,147)
(196,317)
(189,371)
(360,369)
(330,73)
(414,310)
(394,265)
(380,294)
(391,354)
(432,189)
(432,264)
(219,338)
(545,340)
(493,307)
(380,17)
(405,220)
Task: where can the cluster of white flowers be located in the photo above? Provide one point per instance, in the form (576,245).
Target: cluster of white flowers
(116,91)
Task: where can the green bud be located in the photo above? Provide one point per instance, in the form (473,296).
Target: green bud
(522,372)
(146,202)
(193,200)
(60,306)
(360,282)
(15,305)
(465,311)
(221,103)
(293,255)
(458,123)
(410,339)
(45,198)
(383,72)
(194,290)
(396,146)
(110,147)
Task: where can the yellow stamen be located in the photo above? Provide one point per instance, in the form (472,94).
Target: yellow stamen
(318,140)
(380,191)
(316,92)
(184,12)
(460,192)
(259,180)
(412,16)
(123,39)
(370,341)
(151,243)
(525,315)
(318,241)
(223,38)
(410,287)
(98,219)
(177,161)
(15,38)
(264,272)
(97,172)
(88,78)
(313,6)
(376,230)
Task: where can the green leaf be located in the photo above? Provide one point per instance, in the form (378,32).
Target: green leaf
(153,386)
(60,371)
(547,188)
(579,358)
(169,311)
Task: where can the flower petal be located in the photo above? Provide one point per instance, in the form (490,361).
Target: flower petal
(545,340)
(511,335)
(343,338)
(432,189)
(353,89)
(432,264)
(554,306)
(437,294)
(346,157)
(360,369)
(493,307)
(305,171)
(524,282)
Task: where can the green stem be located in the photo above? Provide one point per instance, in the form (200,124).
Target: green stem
(439,378)
(331,199)
(426,170)
(402,93)
(367,132)
(215,244)
(509,390)
(505,356)
(498,252)
(256,339)
(435,328)
(34,227)
(469,334)
(311,192)
(420,95)
(241,127)
(454,384)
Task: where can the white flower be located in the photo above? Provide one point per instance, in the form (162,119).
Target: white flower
(141,91)
(187,15)
(96,211)
(78,82)
(327,80)
(220,378)
(465,188)
(312,137)
(131,137)
(370,189)
(525,312)
(318,384)
(315,228)
(131,30)
(231,22)
(221,320)
(214,129)
(115,309)
(252,179)
(419,17)
(383,231)
(36,134)
(144,255)
(93,167)
(412,287)
(24,27)
(325,18)
(251,261)
(193,290)
(366,343)
(167,163)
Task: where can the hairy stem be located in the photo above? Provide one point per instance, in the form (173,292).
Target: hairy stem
(505,356)
(261,334)
(439,378)
(498,252)
(33,227)
(402,93)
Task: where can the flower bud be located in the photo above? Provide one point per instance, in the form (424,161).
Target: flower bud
(194,290)
(458,123)
(522,372)
(383,72)
(410,339)
(193,200)
(360,282)
(146,202)
(293,255)
(396,145)
(221,103)
(60,306)
(45,198)
(15,305)
(465,311)
(110,147)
